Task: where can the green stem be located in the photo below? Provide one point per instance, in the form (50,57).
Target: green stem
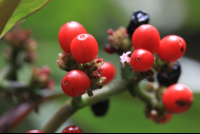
(16,61)
(143,95)
(71,106)
(3,74)
(159,92)
(5,71)
(51,95)
(65,112)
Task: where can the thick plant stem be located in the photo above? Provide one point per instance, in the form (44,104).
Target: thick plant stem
(143,95)
(69,108)
(66,111)
(104,93)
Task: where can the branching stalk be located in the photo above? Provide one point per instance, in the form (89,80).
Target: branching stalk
(71,105)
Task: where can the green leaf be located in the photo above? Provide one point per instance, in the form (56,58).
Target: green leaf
(24,9)
(7,7)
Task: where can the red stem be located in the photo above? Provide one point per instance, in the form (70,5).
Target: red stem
(15,115)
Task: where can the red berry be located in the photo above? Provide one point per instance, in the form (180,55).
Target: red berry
(161,119)
(68,32)
(64,52)
(34,131)
(110,31)
(171,48)
(146,37)
(72,129)
(45,70)
(75,83)
(142,60)
(84,48)
(177,98)
(109,71)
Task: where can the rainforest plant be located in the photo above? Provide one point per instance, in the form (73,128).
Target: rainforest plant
(88,78)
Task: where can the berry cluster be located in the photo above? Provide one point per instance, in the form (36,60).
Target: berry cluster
(69,129)
(149,55)
(41,78)
(80,59)
(85,71)
(21,51)
(144,56)
(19,39)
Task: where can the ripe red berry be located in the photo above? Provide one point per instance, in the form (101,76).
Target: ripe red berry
(177,98)
(171,48)
(84,48)
(146,37)
(75,83)
(68,32)
(142,60)
(161,119)
(109,71)
(72,129)
(64,52)
(34,131)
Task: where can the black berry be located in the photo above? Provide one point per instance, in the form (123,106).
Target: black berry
(101,108)
(169,78)
(138,18)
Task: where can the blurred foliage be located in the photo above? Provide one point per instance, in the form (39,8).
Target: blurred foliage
(24,8)
(95,16)
(126,114)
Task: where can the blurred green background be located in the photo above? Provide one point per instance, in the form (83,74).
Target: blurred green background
(180,17)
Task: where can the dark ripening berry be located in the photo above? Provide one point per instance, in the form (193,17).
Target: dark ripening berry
(101,108)
(161,119)
(138,18)
(142,60)
(84,48)
(68,32)
(169,78)
(146,37)
(177,98)
(75,83)
(109,72)
(172,47)
(109,49)
(72,129)
(34,131)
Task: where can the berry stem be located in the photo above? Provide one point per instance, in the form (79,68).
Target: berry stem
(13,61)
(158,63)
(159,92)
(143,95)
(90,93)
(66,111)
(69,108)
